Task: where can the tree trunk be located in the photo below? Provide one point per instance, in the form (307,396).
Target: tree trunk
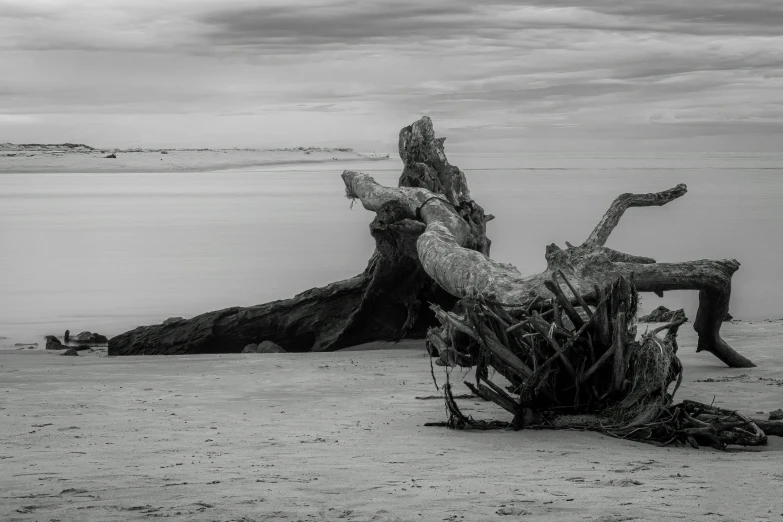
(387,302)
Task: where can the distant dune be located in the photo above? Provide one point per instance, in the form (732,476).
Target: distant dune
(71,147)
(70,157)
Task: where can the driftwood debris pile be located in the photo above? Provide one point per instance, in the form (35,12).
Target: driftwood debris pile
(574,362)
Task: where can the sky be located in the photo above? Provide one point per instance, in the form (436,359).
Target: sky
(557,75)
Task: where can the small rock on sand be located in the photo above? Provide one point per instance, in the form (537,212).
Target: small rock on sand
(661,315)
(776,414)
(90,338)
(264,347)
(71,352)
(53,343)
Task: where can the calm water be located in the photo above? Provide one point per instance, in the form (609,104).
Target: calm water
(108,252)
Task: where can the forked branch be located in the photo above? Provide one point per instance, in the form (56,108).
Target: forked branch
(623,202)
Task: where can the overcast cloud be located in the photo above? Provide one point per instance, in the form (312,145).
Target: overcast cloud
(512,75)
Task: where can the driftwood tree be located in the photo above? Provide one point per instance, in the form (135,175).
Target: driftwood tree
(567,361)
(432,247)
(564,340)
(446,249)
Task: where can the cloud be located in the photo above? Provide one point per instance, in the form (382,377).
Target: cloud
(629,70)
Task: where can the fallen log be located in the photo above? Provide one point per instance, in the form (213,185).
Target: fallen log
(362,309)
(386,302)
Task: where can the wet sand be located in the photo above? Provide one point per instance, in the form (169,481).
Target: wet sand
(341,436)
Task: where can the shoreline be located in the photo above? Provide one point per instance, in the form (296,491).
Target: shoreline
(170,160)
(10,342)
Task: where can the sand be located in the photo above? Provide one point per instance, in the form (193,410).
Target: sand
(340,436)
(13,160)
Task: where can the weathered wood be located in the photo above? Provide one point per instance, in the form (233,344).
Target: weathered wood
(578,297)
(541,326)
(770,427)
(557,317)
(461,271)
(506,356)
(432,248)
(623,202)
(676,323)
(618,347)
(387,302)
(448,354)
(602,322)
(564,302)
(494,394)
(517,326)
(713,281)
(559,354)
(598,364)
(500,326)
(621,257)
(455,322)
(500,391)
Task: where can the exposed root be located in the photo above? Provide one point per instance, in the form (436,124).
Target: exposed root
(574,363)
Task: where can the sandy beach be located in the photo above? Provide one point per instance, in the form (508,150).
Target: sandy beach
(49,158)
(267,194)
(341,436)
